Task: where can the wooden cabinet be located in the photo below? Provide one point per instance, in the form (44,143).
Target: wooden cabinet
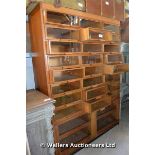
(77,59)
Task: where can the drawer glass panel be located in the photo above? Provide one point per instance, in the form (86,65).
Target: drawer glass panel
(92,81)
(93,70)
(93,48)
(96,35)
(95,92)
(73,124)
(88,23)
(64,75)
(111,48)
(93,59)
(112,28)
(66,99)
(65,87)
(59,61)
(59,47)
(61,18)
(59,33)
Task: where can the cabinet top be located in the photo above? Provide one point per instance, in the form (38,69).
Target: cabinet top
(81,14)
(35,99)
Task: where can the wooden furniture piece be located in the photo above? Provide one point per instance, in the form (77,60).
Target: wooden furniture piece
(39,111)
(107,8)
(76,53)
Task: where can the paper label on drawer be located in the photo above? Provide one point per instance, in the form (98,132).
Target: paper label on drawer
(100,35)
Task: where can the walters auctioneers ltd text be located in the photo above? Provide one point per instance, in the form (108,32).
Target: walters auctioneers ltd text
(58,145)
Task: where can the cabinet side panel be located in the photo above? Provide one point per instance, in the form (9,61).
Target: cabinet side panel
(37,42)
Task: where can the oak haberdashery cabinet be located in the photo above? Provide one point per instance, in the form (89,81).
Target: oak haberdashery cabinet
(78,64)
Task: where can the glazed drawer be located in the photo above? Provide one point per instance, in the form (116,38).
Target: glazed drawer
(113,28)
(112,86)
(114,69)
(113,58)
(90,71)
(94,93)
(63,61)
(93,7)
(68,100)
(65,75)
(59,33)
(63,47)
(90,34)
(93,81)
(73,124)
(63,115)
(75,138)
(112,78)
(115,37)
(105,123)
(97,105)
(95,47)
(92,59)
(111,48)
(60,18)
(108,8)
(65,87)
(84,23)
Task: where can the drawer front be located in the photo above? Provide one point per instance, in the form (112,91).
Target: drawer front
(113,58)
(119,9)
(111,48)
(65,100)
(63,47)
(63,61)
(116,38)
(57,33)
(93,7)
(99,105)
(114,69)
(90,34)
(113,28)
(66,87)
(112,78)
(93,93)
(112,86)
(87,47)
(65,75)
(88,23)
(60,18)
(92,59)
(89,71)
(90,82)
(108,8)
